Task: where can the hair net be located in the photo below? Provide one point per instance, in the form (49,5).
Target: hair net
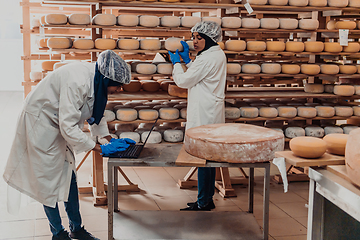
(210,29)
(114,67)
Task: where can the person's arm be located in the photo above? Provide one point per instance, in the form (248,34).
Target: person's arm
(194,74)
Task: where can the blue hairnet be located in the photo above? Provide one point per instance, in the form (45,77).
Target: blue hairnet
(210,29)
(114,67)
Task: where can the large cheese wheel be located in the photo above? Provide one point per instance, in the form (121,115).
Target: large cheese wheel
(309,24)
(126,114)
(233,68)
(344,90)
(164,68)
(271,68)
(148,114)
(43,42)
(318,3)
(105,43)
(338,3)
(172,44)
(149,21)
(59,42)
(250,23)
(128,20)
(310,69)
(345,25)
(48,65)
(269,23)
(332,47)
(298,3)
(150,85)
(293,132)
(352,47)
(336,143)
(170,21)
(235,45)
(314,46)
(343,111)
(79,19)
(352,156)
(128,44)
(251,68)
(189,21)
(155,137)
(290,68)
(249,112)
(257,2)
(83,43)
(278,2)
(287,111)
(169,113)
(348,69)
(257,46)
(212,19)
(145,68)
(268,112)
(314,131)
(176,91)
(288,23)
(232,112)
(294,46)
(133,86)
(275,46)
(233,142)
(329,68)
(325,111)
(314,88)
(231,22)
(308,147)
(307,112)
(150,44)
(56,18)
(104,19)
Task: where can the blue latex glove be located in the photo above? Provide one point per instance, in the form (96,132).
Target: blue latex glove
(123,140)
(174,57)
(113,147)
(185,55)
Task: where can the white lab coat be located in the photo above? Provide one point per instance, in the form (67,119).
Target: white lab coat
(205,80)
(49,129)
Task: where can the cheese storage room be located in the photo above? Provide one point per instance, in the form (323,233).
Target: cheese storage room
(181,119)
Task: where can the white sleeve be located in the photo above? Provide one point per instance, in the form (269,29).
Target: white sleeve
(194,74)
(101,130)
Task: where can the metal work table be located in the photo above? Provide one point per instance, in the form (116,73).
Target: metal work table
(165,155)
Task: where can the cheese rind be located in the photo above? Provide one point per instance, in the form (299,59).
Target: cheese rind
(308,147)
(338,3)
(288,112)
(332,47)
(314,131)
(212,19)
(150,85)
(278,2)
(133,86)
(318,3)
(268,112)
(132,135)
(164,68)
(343,111)
(348,69)
(155,137)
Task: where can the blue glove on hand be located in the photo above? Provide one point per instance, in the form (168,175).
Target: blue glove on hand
(185,55)
(174,57)
(116,145)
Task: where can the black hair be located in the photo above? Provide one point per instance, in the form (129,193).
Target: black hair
(208,43)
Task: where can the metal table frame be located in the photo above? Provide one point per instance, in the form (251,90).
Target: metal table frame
(164,155)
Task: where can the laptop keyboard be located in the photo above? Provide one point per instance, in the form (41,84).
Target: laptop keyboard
(131,151)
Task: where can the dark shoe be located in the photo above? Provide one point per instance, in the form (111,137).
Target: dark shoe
(82,234)
(196,207)
(63,235)
(210,205)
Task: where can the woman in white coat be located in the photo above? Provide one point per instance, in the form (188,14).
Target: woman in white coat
(41,163)
(205,80)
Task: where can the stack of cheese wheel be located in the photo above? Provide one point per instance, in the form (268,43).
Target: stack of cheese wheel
(128,20)
(314,46)
(150,44)
(170,21)
(348,69)
(271,68)
(189,21)
(278,2)
(59,42)
(133,86)
(329,69)
(79,19)
(288,23)
(150,85)
(251,68)
(143,67)
(332,47)
(164,68)
(212,19)
(56,18)
(309,24)
(307,147)
(318,3)
(344,90)
(256,46)
(275,46)
(310,69)
(231,22)
(250,23)
(235,45)
(269,23)
(172,44)
(105,43)
(298,3)
(104,19)
(291,46)
(83,43)
(149,21)
(290,68)
(233,68)
(48,65)
(352,47)
(338,3)
(128,44)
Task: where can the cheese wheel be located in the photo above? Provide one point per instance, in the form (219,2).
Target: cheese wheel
(313,88)
(233,68)
(79,19)
(169,113)
(150,85)
(128,20)
(271,68)
(128,44)
(290,68)
(148,114)
(344,90)
(288,23)
(149,21)
(104,19)
(268,112)
(338,3)
(345,25)
(278,2)
(356,110)
(212,19)
(83,43)
(164,68)
(336,143)
(249,112)
(109,115)
(183,113)
(275,46)
(43,42)
(287,112)
(250,23)
(189,21)
(325,111)
(35,76)
(348,69)
(343,111)
(309,24)
(133,86)
(221,45)
(298,3)
(48,65)
(330,25)
(307,112)
(314,46)
(145,68)
(59,42)
(294,46)
(333,129)
(170,21)
(173,136)
(269,23)
(126,114)
(105,43)
(235,45)
(314,131)
(56,18)
(257,46)
(150,44)
(329,69)
(310,69)
(155,137)
(352,47)
(357,89)
(164,85)
(251,68)
(191,45)
(307,147)
(354,3)
(257,2)
(332,47)
(294,132)
(329,88)
(174,90)
(172,44)
(132,135)
(231,22)
(318,3)
(232,112)
(348,129)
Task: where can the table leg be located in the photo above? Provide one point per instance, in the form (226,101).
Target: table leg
(110,202)
(116,190)
(251,190)
(315,213)
(266,201)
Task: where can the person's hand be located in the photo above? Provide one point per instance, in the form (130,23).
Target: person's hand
(123,140)
(114,146)
(174,57)
(185,55)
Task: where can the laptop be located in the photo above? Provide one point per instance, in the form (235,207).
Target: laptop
(133,151)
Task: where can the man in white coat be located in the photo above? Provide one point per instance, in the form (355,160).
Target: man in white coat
(41,163)
(205,80)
